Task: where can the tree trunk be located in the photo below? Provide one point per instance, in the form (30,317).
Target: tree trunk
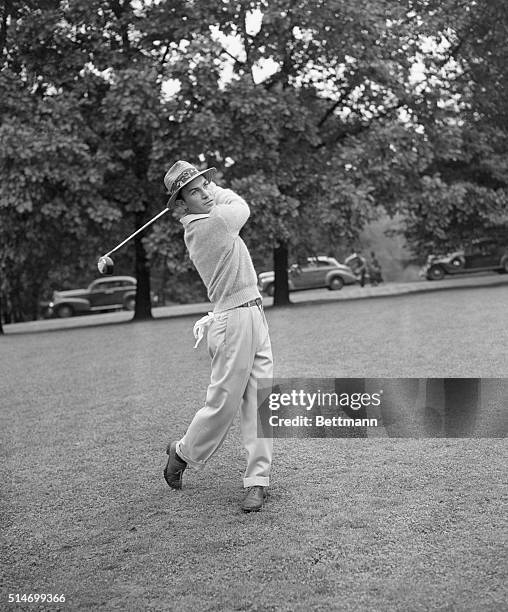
(16,313)
(1,315)
(164,283)
(280,266)
(3,29)
(6,311)
(34,302)
(143,309)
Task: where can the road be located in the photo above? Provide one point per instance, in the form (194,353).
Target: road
(313,296)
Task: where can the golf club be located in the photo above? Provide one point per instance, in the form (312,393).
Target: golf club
(105,263)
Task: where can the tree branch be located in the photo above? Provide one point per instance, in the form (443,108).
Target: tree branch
(357,128)
(453,52)
(247,43)
(164,56)
(118,11)
(336,104)
(232,56)
(3,31)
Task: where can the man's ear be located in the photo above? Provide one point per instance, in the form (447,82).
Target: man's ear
(180,207)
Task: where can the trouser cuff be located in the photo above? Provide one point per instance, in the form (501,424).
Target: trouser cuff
(256,481)
(196,465)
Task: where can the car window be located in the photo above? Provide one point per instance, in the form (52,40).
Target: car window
(484,246)
(106,286)
(102,285)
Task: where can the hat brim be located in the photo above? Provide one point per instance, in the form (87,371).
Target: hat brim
(209,174)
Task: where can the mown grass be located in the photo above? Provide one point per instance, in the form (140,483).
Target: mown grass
(376,524)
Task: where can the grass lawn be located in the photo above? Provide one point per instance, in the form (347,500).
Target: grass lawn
(351,524)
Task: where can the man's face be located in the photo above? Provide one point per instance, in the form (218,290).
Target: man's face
(198,196)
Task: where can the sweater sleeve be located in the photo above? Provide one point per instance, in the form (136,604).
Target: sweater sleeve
(231,207)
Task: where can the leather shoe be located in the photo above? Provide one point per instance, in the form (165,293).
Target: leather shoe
(175,468)
(254,498)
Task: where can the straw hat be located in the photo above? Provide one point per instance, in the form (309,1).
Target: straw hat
(180,174)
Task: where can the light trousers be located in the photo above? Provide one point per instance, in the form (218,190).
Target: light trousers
(241,353)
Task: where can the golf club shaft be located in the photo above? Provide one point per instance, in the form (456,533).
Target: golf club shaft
(163,212)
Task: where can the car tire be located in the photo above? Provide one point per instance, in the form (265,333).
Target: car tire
(435,273)
(64,311)
(130,302)
(336,283)
(270,290)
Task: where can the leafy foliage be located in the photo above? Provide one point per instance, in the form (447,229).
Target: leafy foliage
(462,190)
(323,114)
(81,128)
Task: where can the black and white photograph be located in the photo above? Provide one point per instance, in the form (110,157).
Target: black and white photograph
(254,305)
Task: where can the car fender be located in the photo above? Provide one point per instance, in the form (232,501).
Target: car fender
(457,261)
(333,274)
(446,260)
(77,304)
(265,280)
(347,277)
(129,294)
(270,280)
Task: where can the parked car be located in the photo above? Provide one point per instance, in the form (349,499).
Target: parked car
(103,294)
(315,273)
(481,255)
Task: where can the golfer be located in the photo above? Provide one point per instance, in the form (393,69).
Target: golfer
(238,337)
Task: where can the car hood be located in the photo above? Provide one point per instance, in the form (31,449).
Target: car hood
(446,256)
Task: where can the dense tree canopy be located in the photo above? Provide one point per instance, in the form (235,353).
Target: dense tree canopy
(460,189)
(322,113)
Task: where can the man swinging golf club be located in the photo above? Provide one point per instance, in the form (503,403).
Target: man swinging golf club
(238,338)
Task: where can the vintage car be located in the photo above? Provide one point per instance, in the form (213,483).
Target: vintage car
(315,273)
(481,255)
(103,294)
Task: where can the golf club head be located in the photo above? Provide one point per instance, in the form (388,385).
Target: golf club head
(105,265)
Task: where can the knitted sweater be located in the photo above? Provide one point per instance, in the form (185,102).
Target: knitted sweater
(219,254)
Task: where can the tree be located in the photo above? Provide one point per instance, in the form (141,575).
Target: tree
(298,140)
(49,199)
(97,66)
(322,114)
(459,188)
